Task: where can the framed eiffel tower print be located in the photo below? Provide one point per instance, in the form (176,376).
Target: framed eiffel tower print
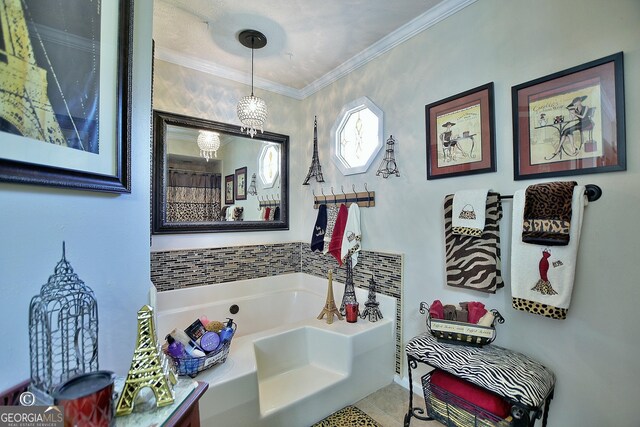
(65,93)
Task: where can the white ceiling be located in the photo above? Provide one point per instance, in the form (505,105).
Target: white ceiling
(311,43)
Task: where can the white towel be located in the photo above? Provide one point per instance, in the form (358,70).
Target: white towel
(530,263)
(469,208)
(352,235)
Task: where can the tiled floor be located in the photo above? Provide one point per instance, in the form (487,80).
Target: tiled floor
(389,405)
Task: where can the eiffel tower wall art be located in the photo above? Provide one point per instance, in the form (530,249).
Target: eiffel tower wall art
(315,170)
(64,116)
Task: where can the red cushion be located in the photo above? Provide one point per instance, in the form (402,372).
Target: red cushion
(480,397)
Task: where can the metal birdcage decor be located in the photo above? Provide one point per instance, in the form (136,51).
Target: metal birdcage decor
(388,164)
(63,330)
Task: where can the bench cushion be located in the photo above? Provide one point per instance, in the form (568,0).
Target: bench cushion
(504,372)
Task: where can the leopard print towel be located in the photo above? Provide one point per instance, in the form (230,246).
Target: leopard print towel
(547,213)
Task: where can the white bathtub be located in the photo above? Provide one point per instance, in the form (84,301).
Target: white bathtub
(285,367)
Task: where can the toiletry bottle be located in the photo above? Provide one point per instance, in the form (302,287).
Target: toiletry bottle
(190,347)
(175,349)
(227,332)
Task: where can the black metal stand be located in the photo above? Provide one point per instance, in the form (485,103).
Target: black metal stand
(412,364)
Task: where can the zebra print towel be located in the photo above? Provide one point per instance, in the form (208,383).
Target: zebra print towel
(504,372)
(474,262)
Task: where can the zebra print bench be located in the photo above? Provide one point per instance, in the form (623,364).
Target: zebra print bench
(525,383)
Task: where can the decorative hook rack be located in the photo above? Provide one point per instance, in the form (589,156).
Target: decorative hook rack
(592,191)
(364,199)
(267,202)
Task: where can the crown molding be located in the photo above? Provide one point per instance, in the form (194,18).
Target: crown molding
(428,19)
(217,70)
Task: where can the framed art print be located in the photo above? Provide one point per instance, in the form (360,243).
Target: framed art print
(570,122)
(65,107)
(228,189)
(241,184)
(460,134)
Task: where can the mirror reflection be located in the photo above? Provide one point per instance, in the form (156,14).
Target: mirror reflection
(210,177)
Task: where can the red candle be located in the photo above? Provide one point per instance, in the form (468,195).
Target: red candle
(352,312)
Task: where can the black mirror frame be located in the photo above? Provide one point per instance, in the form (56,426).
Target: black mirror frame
(161,120)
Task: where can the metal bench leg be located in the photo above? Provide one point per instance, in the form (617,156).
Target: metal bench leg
(412,364)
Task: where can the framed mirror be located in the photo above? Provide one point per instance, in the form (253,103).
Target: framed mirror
(211,177)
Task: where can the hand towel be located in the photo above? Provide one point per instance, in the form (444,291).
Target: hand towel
(263,211)
(542,277)
(276,215)
(469,208)
(547,214)
(352,236)
(436,311)
(335,246)
(272,214)
(317,237)
(474,262)
(332,215)
(267,211)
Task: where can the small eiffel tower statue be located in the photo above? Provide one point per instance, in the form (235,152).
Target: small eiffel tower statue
(388,164)
(330,306)
(147,368)
(349,296)
(315,170)
(372,304)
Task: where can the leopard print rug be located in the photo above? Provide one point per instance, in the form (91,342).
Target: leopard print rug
(349,416)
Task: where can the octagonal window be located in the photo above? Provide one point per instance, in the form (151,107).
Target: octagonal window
(269,165)
(357,136)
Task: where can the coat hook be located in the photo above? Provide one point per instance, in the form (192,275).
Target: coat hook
(343,193)
(368,195)
(335,199)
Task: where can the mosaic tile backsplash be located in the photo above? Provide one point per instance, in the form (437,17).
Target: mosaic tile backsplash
(198,267)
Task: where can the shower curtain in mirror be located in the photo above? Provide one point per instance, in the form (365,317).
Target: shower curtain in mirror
(193,196)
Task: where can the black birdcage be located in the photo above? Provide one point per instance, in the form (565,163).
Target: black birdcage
(63,330)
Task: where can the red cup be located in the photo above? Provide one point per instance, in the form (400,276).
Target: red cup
(87,399)
(352,312)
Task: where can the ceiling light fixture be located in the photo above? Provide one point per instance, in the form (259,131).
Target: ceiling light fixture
(208,142)
(252,111)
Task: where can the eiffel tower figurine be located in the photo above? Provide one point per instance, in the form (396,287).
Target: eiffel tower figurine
(146,368)
(315,170)
(349,296)
(330,306)
(372,309)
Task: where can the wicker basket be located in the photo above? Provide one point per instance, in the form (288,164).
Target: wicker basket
(454,411)
(192,366)
(450,331)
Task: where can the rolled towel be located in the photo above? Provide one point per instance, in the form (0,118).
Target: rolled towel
(436,311)
(487,319)
(547,213)
(462,315)
(450,312)
(476,311)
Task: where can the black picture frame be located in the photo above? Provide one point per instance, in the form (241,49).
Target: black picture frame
(453,153)
(14,168)
(571,122)
(240,187)
(229,189)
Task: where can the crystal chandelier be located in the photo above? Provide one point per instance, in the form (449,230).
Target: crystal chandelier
(208,142)
(252,111)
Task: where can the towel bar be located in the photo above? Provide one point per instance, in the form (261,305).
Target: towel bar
(592,191)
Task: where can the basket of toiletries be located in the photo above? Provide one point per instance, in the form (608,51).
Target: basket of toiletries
(458,403)
(468,323)
(202,345)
